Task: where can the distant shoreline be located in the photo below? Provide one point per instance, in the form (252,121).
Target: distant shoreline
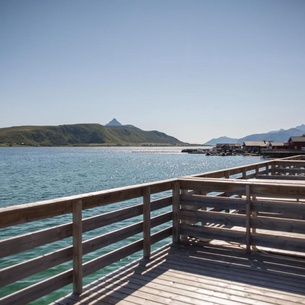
(108,145)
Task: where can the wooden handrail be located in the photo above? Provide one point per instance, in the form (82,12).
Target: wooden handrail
(276,208)
(75,205)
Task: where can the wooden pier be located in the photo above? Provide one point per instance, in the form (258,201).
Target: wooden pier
(235,236)
(186,275)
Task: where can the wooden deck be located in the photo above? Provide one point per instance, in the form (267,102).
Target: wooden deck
(201,275)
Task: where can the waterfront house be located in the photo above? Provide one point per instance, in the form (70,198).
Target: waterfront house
(254,146)
(228,147)
(297,143)
(277,145)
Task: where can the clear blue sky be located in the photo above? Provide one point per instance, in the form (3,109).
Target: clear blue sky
(194,69)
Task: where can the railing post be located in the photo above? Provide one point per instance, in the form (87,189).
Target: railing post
(77,247)
(256,170)
(273,168)
(176,212)
(146,222)
(248,219)
(244,173)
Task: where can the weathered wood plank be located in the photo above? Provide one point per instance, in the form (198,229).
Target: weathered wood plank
(264,188)
(289,171)
(22,270)
(161,203)
(279,242)
(161,235)
(228,219)
(44,209)
(248,217)
(213,233)
(176,212)
(111,257)
(285,207)
(34,211)
(31,240)
(220,203)
(107,239)
(197,275)
(146,222)
(77,247)
(280,177)
(160,219)
(38,290)
(109,218)
(278,224)
(124,193)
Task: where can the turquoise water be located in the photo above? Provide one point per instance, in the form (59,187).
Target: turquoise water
(34,174)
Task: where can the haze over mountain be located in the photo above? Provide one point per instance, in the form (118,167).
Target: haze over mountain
(281,135)
(113,133)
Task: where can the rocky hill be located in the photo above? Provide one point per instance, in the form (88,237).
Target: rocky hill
(83,134)
(281,135)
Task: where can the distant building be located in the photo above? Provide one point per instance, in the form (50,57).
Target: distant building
(229,147)
(255,146)
(277,145)
(297,143)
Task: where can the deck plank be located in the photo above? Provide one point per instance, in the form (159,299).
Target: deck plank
(191,275)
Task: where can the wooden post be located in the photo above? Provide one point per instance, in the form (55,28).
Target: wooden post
(273,168)
(176,210)
(244,173)
(248,219)
(267,169)
(77,247)
(146,223)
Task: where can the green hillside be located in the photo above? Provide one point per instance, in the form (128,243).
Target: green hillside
(83,134)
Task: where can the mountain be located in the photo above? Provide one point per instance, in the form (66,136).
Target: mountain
(215,141)
(281,135)
(114,122)
(83,134)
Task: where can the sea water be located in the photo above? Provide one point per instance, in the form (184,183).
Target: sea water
(29,174)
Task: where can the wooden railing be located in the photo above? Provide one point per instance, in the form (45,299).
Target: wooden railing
(207,206)
(149,218)
(252,213)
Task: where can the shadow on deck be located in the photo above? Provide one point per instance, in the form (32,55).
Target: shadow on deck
(201,275)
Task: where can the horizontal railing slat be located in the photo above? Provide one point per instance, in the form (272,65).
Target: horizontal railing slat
(44,209)
(161,235)
(278,224)
(31,240)
(281,177)
(160,219)
(38,290)
(33,266)
(105,219)
(258,187)
(34,211)
(278,242)
(111,237)
(290,207)
(213,233)
(200,201)
(228,219)
(111,257)
(161,203)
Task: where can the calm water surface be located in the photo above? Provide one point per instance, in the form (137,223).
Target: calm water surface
(34,174)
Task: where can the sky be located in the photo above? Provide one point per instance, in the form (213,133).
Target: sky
(194,69)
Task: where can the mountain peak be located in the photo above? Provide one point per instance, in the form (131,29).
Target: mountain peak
(114,122)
